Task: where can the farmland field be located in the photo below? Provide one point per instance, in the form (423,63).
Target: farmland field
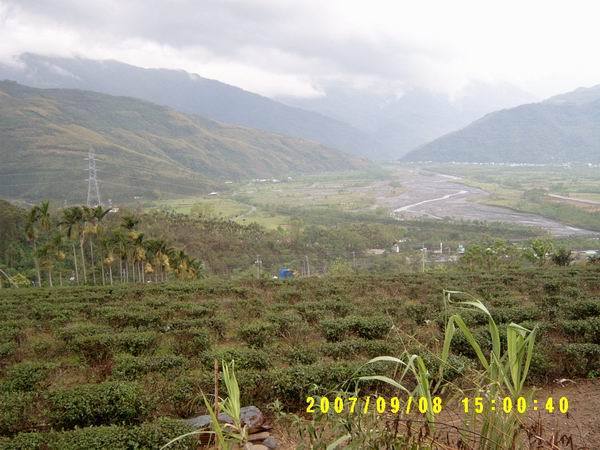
(131,359)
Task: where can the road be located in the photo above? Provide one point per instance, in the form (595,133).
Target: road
(441,196)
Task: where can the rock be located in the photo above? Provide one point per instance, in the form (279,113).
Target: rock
(199,422)
(258,436)
(270,442)
(259,447)
(251,416)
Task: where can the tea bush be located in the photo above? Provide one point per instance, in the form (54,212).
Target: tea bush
(584,329)
(15,410)
(124,318)
(149,435)
(25,376)
(191,341)
(356,347)
(300,355)
(376,327)
(96,404)
(582,309)
(334,330)
(258,333)
(581,358)
(245,358)
(128,367)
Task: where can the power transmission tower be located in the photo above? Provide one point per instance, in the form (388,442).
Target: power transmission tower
(93,193)
(258,263)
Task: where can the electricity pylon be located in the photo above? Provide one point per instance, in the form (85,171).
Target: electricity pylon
(93,193)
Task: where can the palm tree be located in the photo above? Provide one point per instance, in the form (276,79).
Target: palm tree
(31,230)
(93,218)
(50,253)
(129,223)
(108,244)
(72,218)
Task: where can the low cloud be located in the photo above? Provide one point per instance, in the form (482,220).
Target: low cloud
(284,47)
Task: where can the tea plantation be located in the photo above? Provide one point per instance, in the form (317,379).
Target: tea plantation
(114,367)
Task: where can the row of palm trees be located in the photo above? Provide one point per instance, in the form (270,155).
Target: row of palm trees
(98,253)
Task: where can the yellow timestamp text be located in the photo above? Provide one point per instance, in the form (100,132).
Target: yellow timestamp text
(432,405)
(521,405)
(378,404)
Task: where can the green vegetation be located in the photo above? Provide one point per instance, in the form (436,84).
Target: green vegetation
(143,150)
(71,350)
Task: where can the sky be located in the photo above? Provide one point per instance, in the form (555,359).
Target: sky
(296,47)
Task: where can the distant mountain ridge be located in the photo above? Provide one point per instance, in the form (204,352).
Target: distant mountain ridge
(143,150)
(189,93)
(402,123)
(564,128)
(579,96)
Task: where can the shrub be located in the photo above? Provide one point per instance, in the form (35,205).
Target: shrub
(191,341)
(417,312)
(245,358)
(96,404)
(25,376)
(122,317)
(581,359)
(97,347)
(300,355)
(514,314)
(129,367)
(587,329)
(355,347)
(202,310)
(7,349)
(218,324)
(15,409)
(461,345)
(335,330)
(582,309)
(68,334)
(145,436)
(135,342)
(285,322)
(257,334)
(376,327)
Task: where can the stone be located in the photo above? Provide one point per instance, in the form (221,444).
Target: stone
(252,417)
(270,442)
(258,436)
(259,447)
(199,422)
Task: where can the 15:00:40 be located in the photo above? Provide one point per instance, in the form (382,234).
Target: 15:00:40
(478,405)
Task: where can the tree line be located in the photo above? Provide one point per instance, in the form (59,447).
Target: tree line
(82,244)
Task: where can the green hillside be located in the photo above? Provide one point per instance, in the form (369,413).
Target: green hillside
(142,149)
(190,94)
(541,133)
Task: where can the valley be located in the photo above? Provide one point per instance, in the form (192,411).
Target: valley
(404,191)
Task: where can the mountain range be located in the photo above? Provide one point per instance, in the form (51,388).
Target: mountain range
(363,122)
(564,128)
(189,93)
(142,149)
(403,122)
